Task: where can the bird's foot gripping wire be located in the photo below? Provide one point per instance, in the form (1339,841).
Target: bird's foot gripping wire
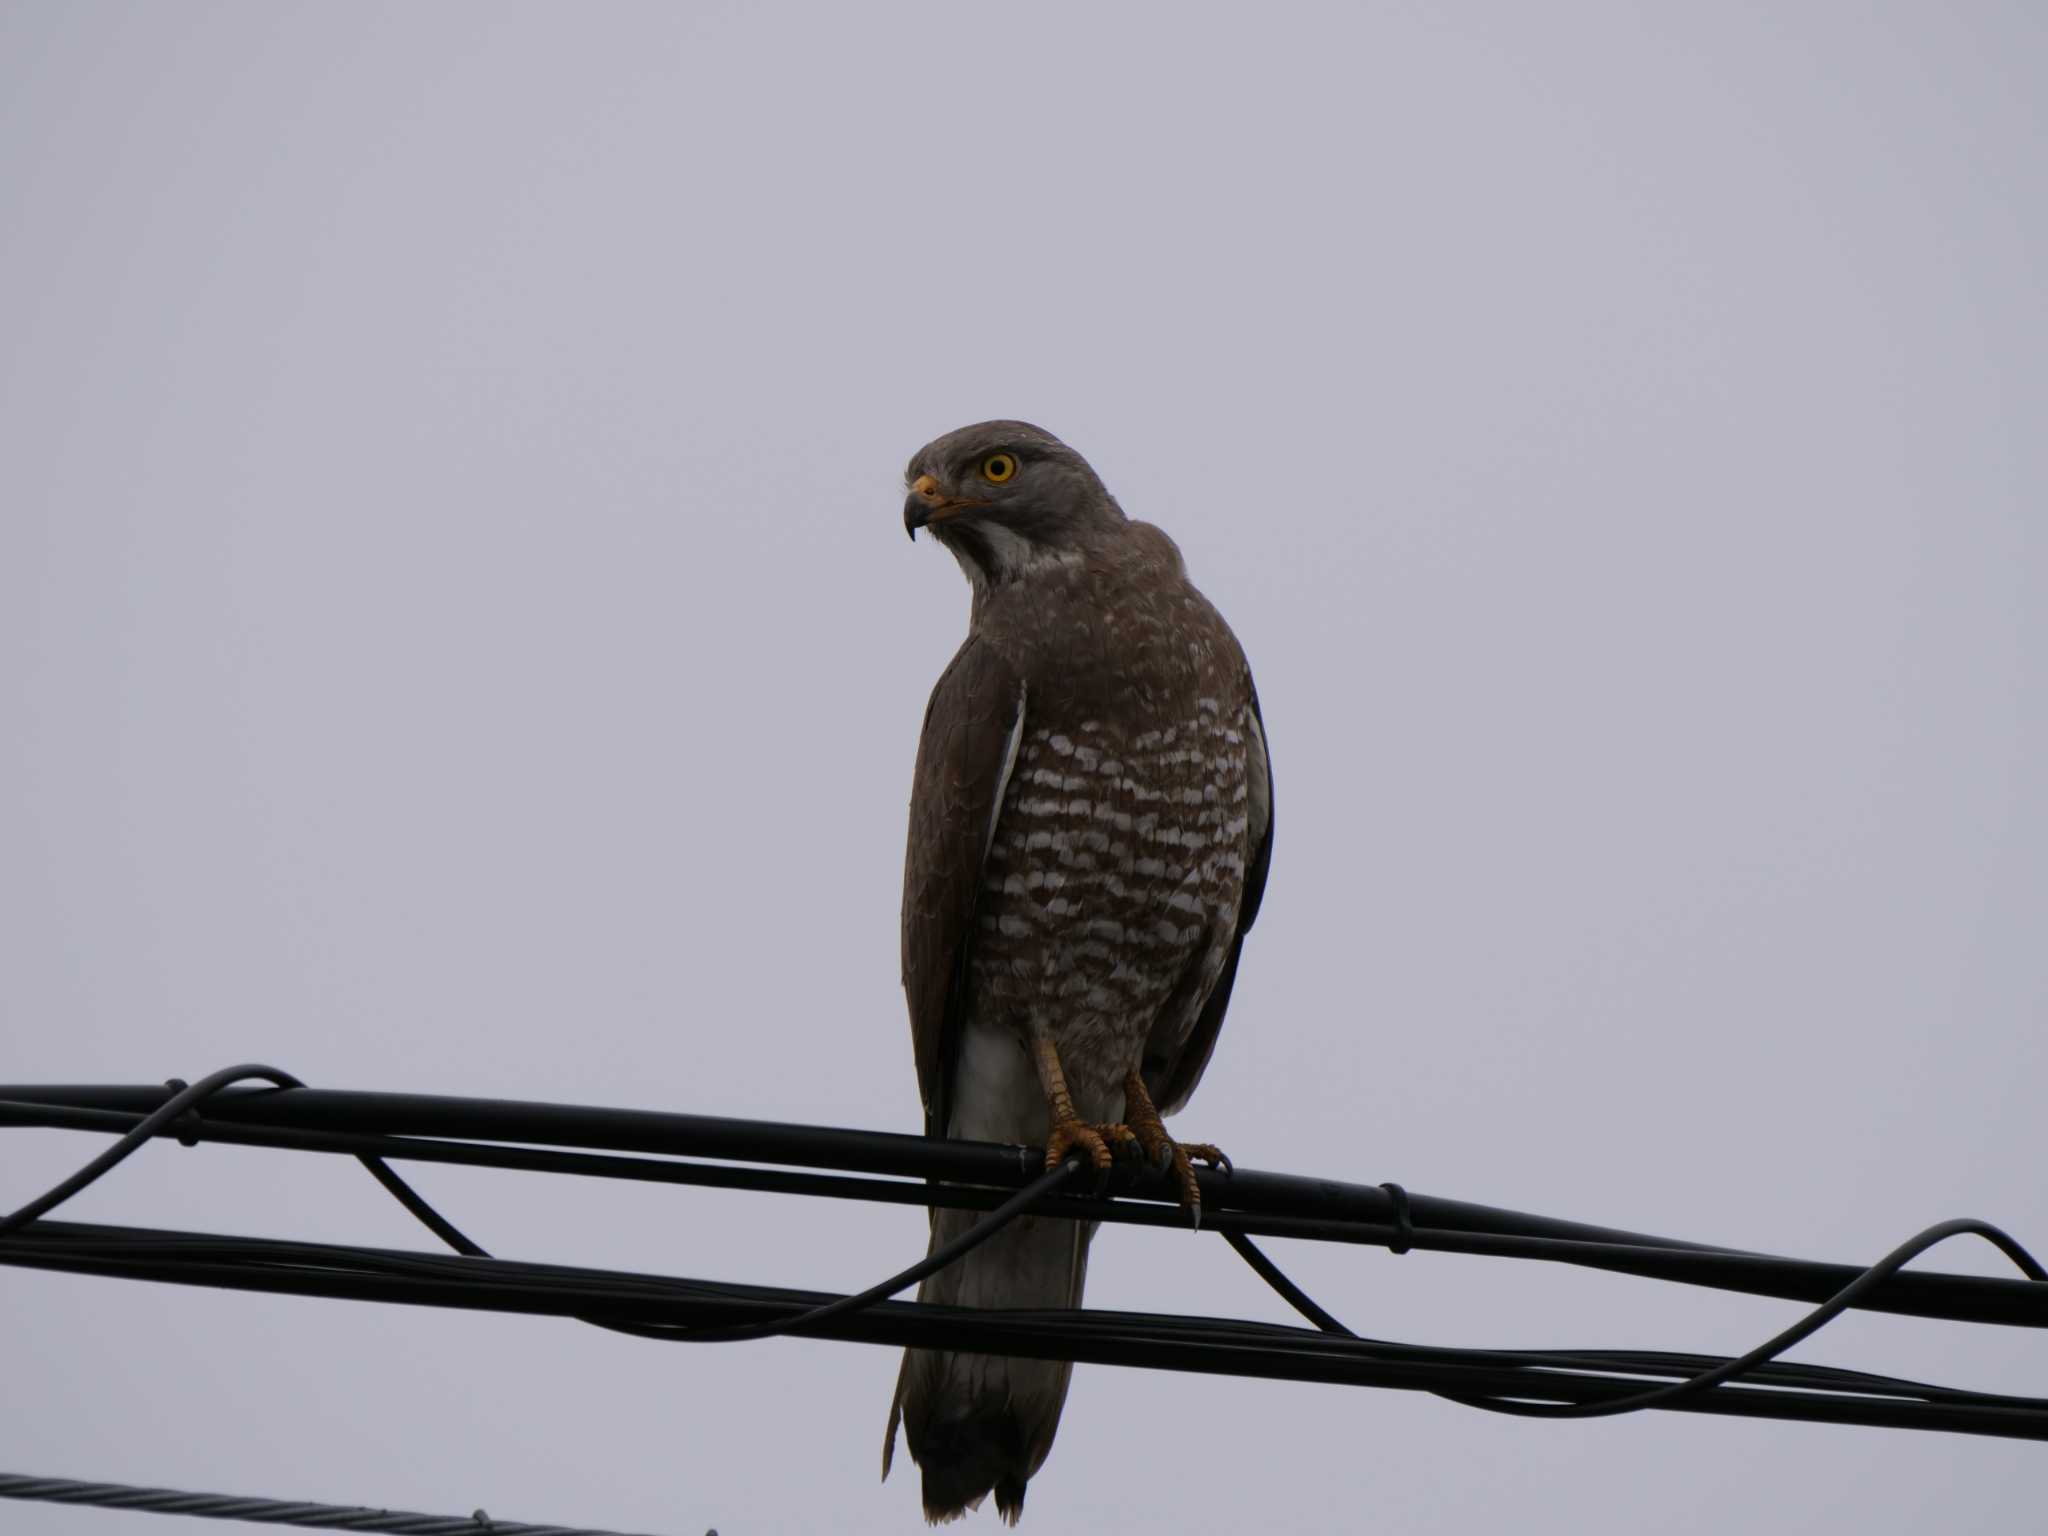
(1069,1132)
(1166,1153)
(1100,1143)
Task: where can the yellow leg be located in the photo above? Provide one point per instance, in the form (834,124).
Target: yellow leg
(1163,1150)
(1068,1129)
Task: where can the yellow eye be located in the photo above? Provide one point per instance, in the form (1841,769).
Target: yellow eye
(998,467)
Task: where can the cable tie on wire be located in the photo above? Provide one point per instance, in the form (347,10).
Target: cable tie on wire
(179,1085)
(1404,1227)
(159,1119)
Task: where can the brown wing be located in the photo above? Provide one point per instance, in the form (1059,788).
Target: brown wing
(1184,1070)
(971,729)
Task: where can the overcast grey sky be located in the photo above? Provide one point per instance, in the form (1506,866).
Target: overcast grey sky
(457,635)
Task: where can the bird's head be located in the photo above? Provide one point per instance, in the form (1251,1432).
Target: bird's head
(1006,498)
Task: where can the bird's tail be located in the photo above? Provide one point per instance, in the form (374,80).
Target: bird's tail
(978,1424)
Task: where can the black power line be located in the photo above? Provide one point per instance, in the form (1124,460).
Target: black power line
(1008,1180)
(977,1175)
(304,1513)
(676,1308)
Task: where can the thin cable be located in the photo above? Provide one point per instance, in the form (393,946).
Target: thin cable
(1771,1348)
(1291,1293)
(150,1125)
(416,1203)
(931,1264)
(1706,1378)
(1153,1341)
(1641,1362)
(260,1511)
(1530,1375)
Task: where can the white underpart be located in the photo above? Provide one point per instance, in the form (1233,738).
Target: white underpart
(995,1088)
(996,1096)
(1012,554)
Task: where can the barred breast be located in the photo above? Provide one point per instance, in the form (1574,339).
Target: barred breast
(1110,890)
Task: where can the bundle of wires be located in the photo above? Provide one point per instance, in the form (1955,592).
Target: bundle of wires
(1006,1182)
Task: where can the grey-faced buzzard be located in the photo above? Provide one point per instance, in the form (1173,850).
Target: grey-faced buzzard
(1091,820)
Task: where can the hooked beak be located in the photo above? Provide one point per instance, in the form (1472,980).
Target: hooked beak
(927,504)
